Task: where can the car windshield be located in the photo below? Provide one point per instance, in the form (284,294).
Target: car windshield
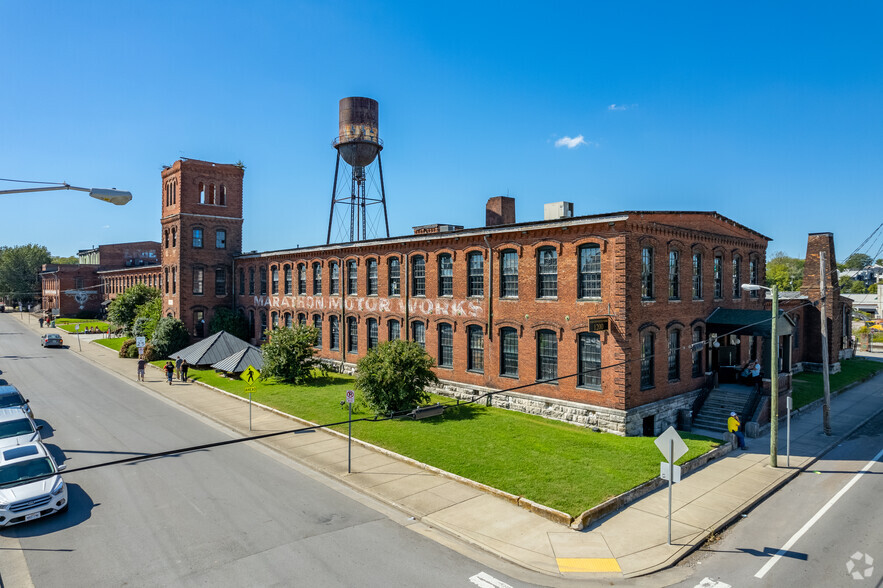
(15,428)
(13,399)
(24,470)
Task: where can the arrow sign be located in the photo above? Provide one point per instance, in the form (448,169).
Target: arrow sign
(665,445)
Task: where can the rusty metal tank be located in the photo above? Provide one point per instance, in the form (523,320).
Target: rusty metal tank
(359,141)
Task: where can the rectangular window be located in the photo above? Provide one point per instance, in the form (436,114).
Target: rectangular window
(547,355)
(198,280)
(274,281)
(352,335)
(287,274)
(674,275)
(199,323)
(334,335)
(509,348)
(509,275)
(547,273)
(445,275)
(647,363)
(220,239)
(317,324)
(418,278)
(647,273)
(697,276)
(352,278)
(394,284)
(317,279)
(372,333)
(475,341)
(395,330)
(251,281)
(590,271)
(174,280)
(445,345)
(335,278)
(372,277)
(301,280)
(718,276)
(197,238)
(737,277)
(674,354)
(220,282)
(263,277)
(418,333)
(589,361)
(475,274)
(263,325)
(752,275)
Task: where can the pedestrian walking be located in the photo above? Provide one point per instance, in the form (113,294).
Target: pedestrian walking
(142,363)
(178,367)
(41,322)
(184,367)
(170,371)
(733,425)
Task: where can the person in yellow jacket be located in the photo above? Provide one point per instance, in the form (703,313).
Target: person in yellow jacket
(733,425)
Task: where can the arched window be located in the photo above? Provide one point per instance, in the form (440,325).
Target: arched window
(166,237)
(372,333)
(418,333)
(445,275)
(753,275)
(352,329)
(211,194)
(394,282)
(674,274)
(697,275)
(647,273)
(263,324)
(174,237)
(589,271)
(372,277)
(222,195)
(718,271)
(288,320)
(418,276)
(674,354)
(301,279)
(475,274)
(317,279)
(262,275)
(199,323)
(547,273)
(174,280)
(274,319)
(589,361)
(475,352)
(509,274)
(166,281)
(251,323)
(737,276)
(302,319)
(394,330)
(352,278)
(201,193)
(251,281)
(220,281)
(445,345)
(241,282)
(334,270)
(334,333)
(648,364)
(317,324)
(696,352)
(274,280)
(287,277)
(547,355)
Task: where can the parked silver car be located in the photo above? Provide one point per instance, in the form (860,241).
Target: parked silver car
(17,428)
(30,486)
(10,397)
(52,340)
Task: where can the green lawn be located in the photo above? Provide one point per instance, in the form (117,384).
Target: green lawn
(809,386)
(113,343)
(563,466)
(69,324)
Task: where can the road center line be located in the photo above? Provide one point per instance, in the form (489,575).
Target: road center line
(794,538)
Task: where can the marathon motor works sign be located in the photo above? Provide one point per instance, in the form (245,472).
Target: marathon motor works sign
(416,306)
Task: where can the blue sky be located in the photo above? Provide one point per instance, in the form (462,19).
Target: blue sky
(768,113)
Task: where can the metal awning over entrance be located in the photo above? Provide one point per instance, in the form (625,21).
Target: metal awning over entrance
(737,321)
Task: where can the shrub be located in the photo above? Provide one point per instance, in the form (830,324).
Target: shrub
(124,348)
(393,376)
(132,352)
(150,353)
(289,354)
(169,336)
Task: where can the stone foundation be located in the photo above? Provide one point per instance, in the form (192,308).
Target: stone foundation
(834,368)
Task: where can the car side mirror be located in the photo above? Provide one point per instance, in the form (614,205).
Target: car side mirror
(62,467)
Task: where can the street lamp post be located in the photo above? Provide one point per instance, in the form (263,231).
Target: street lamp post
(774,371)
(118,197)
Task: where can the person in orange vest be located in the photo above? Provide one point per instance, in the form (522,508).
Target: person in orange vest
(733,425)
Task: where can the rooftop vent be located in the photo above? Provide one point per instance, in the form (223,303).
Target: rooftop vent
(556,210)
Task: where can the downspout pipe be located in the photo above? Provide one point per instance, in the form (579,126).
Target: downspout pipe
(490,294)
(407,273)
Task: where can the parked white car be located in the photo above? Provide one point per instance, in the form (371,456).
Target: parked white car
(22,497)
(10,397)
(17,428)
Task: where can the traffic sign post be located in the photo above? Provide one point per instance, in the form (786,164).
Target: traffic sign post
(673,448)
(350,398)
(250,376)
(788,432)
(249,389)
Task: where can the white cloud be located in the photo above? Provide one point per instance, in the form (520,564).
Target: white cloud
(106,227)
(571,143)
(617,107)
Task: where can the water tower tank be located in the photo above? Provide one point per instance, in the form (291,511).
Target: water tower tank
(359,141)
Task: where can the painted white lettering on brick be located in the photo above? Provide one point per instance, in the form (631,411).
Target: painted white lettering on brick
(416,306)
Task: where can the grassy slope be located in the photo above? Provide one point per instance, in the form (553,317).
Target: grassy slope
(114,343)
(809,386)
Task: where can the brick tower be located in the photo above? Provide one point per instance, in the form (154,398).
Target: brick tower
(816,243)
(201,233)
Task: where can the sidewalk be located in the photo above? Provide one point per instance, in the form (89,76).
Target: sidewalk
(631,542)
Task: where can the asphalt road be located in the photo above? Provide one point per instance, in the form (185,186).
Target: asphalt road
(823,520)
(238,515)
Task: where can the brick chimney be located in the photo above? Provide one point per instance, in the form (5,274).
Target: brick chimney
(500,210)
(816,243)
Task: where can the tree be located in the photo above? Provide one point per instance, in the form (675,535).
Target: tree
(124,309)
(858,261)
(394,376)
(146,317)
(290,354)
(230,321)
(72,260)
(857,287)
(19,271)
(785,271)
(169,336)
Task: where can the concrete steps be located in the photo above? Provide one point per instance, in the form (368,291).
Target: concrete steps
(718,406)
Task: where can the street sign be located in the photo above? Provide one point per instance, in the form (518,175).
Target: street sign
(140,351)
(250,389)
(350,396)
(664,467)
(140,342)
(77,328)
(664,442)
(250,375)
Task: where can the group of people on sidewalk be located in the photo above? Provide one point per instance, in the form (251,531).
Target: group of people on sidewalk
(173,370)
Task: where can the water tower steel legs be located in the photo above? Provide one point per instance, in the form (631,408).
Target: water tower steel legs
(382,194)
(333,194)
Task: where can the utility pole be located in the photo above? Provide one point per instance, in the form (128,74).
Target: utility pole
(774,381)
(826,409)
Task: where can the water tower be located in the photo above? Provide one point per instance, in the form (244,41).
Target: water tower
(358,144)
